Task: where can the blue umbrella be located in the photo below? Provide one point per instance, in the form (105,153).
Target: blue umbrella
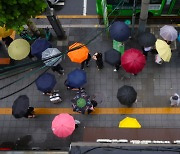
(46,82)
(119,31)
(39,46)
(76,78)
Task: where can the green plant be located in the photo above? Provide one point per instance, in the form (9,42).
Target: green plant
(16,13)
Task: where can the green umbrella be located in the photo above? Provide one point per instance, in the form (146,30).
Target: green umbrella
(81,102)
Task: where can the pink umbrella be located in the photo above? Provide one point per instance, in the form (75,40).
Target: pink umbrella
(63,125)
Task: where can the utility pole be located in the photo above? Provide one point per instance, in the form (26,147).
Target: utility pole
(143,15)
(56,25)
(133,18)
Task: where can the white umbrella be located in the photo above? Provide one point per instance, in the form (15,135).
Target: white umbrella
(50,52)
(168,33)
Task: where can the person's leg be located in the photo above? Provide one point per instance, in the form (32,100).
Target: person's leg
(82,65)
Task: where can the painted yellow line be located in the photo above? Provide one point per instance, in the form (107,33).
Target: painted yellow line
(72,16)
(50,111)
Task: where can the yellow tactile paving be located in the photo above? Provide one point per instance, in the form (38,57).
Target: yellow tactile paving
(71,16)
(50,111)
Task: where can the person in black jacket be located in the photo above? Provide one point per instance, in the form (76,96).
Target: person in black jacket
(99,60)
(86,62)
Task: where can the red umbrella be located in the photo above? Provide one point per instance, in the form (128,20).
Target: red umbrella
(133,61)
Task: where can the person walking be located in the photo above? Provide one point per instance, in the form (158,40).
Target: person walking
(146,50)
(91,108)
(86,62)
(117,67)
(99,60)
(58,68)
(30,113)
(175,100)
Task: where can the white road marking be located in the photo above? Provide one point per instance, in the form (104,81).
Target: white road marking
(85,8)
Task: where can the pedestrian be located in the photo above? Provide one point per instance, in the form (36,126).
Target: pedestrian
(99,60)
(86,62)
(168,42)
(55,97)
(58,68)
(92,106)
(175,100)
(77,123)
(69,87)
(7,40)
(146,50)
(158,59)
(117,66)
(30,113)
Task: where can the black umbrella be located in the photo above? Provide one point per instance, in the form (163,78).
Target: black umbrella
(20,106)
(147,39)
(112,57)
(126,95)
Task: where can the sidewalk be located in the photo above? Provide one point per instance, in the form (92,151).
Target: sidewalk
(154,86)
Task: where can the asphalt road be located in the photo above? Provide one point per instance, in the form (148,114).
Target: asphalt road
(75,7)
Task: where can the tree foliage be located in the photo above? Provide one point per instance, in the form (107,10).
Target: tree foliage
(15,13)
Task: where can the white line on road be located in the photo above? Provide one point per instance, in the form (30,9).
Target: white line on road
(85,8)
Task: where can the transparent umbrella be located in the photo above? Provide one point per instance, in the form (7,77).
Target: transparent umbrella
(168,33)
(49,53)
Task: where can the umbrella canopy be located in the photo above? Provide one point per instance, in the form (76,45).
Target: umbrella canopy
(39,46)
(78,55)
(112,57)
(76,78)
(20,106)
(50,52)
(163,50)
(168,33)
(133,61)
(19,49)
(5,32)
(119,31)
(129,122)
(126,95)
(81,102)
(147,39)
(46,82)
(63,125)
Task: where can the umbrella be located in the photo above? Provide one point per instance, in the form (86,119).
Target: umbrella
(78,55)
(50,52)
(63,125)
(5,32)
(81,102)
(129,122)
(112,57)
(46,82)
(20,106)
(133,61)
(163,50)
(168,33)
(147,39)
(39,46)
(119,31)
(19,49)
(126,95)
(76,78)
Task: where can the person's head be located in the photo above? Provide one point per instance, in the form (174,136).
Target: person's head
(175,98)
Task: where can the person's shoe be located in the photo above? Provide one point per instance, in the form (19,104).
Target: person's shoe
(87,65)
(115,70)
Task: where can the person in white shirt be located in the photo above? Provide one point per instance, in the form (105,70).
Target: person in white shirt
(175,100)
(146,50)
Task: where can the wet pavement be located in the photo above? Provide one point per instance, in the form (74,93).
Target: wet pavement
(154,86)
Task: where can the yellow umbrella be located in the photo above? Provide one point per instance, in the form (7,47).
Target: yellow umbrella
(129,123)
(19,49)
(163,50)
(5,32)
